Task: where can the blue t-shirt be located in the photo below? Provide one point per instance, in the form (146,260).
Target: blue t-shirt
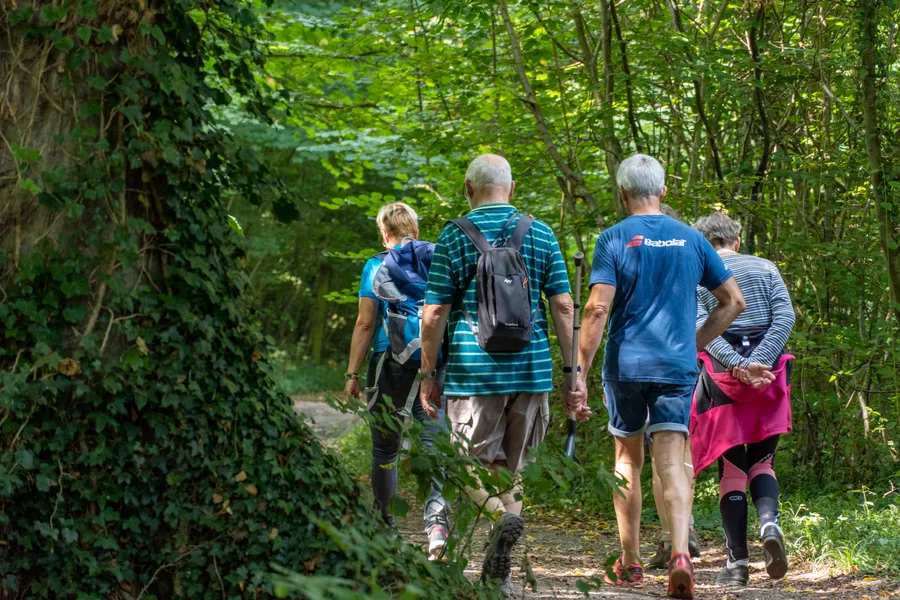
(655,263)
(379,338)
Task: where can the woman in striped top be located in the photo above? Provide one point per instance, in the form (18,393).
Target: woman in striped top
(751,350)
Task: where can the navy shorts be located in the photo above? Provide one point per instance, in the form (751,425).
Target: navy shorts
(630,402)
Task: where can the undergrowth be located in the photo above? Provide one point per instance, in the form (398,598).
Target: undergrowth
(297,377)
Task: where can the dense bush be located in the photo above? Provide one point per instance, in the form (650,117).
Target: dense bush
(147,451)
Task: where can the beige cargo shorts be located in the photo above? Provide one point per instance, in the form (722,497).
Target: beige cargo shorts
(501,428)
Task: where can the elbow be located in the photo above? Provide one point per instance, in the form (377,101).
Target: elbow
(738,304)
(596,312)
(365,325)
(564,307)
(435,313)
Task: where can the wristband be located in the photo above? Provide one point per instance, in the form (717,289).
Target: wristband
(427,374)
(568,370)
(350,376)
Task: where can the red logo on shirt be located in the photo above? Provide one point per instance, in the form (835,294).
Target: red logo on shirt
(635,241)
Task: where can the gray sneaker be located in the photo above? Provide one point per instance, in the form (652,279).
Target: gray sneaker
(506,587)
(497,559)
(661,559)
(694,544)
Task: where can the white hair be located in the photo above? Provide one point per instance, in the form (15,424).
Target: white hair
(719,229)
(489,170)
(642,177)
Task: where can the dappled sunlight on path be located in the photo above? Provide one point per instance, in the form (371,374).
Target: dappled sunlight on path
(561,555)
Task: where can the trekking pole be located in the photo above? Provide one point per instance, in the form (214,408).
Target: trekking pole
(571,422)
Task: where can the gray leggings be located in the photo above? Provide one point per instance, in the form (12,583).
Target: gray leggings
(393,388)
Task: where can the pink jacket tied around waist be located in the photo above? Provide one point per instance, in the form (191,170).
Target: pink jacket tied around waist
(727,413)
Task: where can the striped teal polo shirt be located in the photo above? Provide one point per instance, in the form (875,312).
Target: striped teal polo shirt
(471,371)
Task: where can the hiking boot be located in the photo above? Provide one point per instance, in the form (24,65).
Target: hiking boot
(437,541)
(681,577)
(630,576)
(693,544)
(662,556)
(734,576)
(773,547)
(503,537)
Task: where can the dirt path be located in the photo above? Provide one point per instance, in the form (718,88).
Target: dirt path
(326,422)
(562,551)
(563,548)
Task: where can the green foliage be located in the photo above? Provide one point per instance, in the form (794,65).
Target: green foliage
(147,450)
(305,377)
(853,532)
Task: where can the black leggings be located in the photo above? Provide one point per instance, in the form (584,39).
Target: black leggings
(753,463)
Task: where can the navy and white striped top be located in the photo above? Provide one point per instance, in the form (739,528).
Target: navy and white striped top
(471,371)
(768,307)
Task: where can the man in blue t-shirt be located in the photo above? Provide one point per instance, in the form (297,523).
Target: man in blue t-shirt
(644,278)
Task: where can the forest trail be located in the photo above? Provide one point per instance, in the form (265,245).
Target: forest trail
(563,548)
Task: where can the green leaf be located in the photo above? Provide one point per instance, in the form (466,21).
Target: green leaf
(30,186)
(43,483)
(235,226)
(84,34)
(105,35)
(398,507)
(26,459)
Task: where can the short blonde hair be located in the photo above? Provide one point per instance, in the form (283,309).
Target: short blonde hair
(398,220)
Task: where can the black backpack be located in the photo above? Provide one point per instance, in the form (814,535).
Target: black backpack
(503,291)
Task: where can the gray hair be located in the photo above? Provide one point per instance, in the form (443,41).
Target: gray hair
(642,177)
(489,170)
(670,212)
(719,229)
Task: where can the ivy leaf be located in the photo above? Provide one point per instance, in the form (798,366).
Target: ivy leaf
(29,186)
(26,459)
(84,34)
(43,483)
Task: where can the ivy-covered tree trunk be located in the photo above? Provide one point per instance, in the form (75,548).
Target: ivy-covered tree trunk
(146,450)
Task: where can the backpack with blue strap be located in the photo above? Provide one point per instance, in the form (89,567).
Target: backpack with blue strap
(400,281)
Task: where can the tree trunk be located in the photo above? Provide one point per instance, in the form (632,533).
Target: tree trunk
(317,326)
(887,227)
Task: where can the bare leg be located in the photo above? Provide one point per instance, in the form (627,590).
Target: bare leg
(658,497)
(629,460)
(689,473)
(669,454)
(480,496)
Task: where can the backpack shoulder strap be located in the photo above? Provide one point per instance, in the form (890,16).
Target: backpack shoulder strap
(473,233)
(521,230)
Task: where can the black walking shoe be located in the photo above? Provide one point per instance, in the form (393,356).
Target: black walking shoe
(497,560)
(736,576)
(773,547)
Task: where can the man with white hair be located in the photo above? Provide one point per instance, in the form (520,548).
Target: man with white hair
(644,276)
(497,400)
